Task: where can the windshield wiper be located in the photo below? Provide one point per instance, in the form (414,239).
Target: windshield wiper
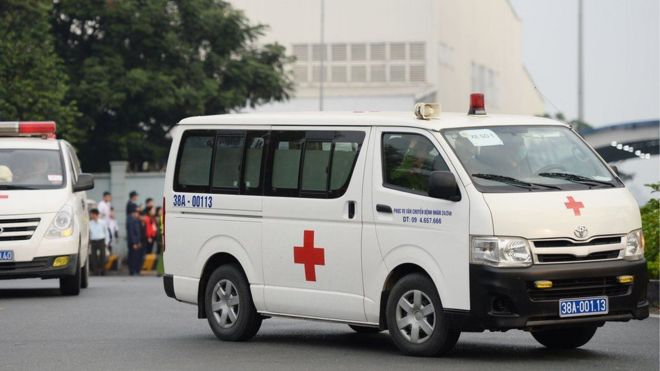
(576,179)
(12,187)
(513,181)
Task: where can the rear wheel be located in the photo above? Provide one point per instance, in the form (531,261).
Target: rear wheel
(416,319)
(70,285)
(565,338)
(229,306)
(365,329)
(84,278)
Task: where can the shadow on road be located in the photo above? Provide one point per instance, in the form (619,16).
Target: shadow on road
(466,349)
(29,293)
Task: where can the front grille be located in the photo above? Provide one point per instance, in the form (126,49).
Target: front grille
(563,258)
(569,243)
(578,288)
(18,229)
(37,263)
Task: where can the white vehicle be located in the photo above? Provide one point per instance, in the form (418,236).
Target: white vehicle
(426,225)
(43,216)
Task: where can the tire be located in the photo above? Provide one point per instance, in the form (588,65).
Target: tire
(365,329)
(235,318)
(70,285)
(84,278)
(418,292)
(565,338)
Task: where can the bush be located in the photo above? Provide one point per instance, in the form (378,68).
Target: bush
(650,220)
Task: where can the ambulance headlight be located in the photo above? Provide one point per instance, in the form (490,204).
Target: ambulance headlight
(501,251)
(634,245)
(62,224)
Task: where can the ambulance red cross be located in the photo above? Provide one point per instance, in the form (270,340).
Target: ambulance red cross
(425,224)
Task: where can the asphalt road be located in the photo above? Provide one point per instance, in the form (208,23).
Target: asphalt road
(127,323)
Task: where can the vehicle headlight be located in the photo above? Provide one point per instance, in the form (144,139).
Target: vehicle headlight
(634,245)
(62,224)
(501,251)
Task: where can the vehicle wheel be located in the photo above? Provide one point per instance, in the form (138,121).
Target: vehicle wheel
(84,278)
(365,329)
(565,338)
(70,285)
(229,306)
(416,319)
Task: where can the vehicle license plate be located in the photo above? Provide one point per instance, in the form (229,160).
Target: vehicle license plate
(583,306)
(6,256)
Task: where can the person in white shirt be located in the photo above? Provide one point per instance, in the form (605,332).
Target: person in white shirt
(104,206)
(113,230)
(98,233)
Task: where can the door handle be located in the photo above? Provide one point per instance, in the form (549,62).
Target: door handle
(383,209)
(351,209)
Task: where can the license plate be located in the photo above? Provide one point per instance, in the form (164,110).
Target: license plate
(6,256)
(583,306)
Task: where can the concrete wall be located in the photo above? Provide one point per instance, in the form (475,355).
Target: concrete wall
(119,182)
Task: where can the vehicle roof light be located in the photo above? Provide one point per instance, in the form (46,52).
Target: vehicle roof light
(427,111)
(477,104)
(28,128)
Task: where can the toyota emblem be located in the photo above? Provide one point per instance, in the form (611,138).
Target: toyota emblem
(581,232)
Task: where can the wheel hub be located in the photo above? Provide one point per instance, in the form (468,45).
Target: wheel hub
(415,316)
(225,303)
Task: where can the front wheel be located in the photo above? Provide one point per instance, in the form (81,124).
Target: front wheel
(70,285)
(416,319)
(565,338)
(229,306)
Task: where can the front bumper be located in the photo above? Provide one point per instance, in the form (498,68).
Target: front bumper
(505,298)
(40,267)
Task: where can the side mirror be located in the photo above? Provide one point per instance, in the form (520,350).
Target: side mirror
(85,182)
(615,169)
(442,184)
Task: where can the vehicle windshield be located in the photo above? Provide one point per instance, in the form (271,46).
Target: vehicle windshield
(30,169)
(528,158)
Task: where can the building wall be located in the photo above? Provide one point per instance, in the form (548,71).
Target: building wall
(431,49)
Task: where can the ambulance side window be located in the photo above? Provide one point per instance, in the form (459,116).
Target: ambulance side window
(237,162)
(286,156)
(193,168)
(314,163)
(408,161)
(227,162)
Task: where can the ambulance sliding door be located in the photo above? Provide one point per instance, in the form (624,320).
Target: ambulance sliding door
(312,224)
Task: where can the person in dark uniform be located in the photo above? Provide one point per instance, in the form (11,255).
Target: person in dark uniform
(132,201)
(134,241)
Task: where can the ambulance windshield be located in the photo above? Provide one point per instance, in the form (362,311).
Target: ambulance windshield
(30,169)
(528,158)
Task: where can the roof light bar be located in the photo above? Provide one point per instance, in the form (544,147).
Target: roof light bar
(427,111)
(28,128)
(477,104)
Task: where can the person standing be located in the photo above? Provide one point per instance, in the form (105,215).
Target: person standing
(113,230)
(132,202)
(104,206)
(150,229)
(98,233)
(134,241)
(148,203)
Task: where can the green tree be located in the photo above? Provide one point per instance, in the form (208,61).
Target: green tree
(139,66)
(33,84)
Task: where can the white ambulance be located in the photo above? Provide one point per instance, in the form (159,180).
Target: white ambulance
(424,224)
(43,216)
